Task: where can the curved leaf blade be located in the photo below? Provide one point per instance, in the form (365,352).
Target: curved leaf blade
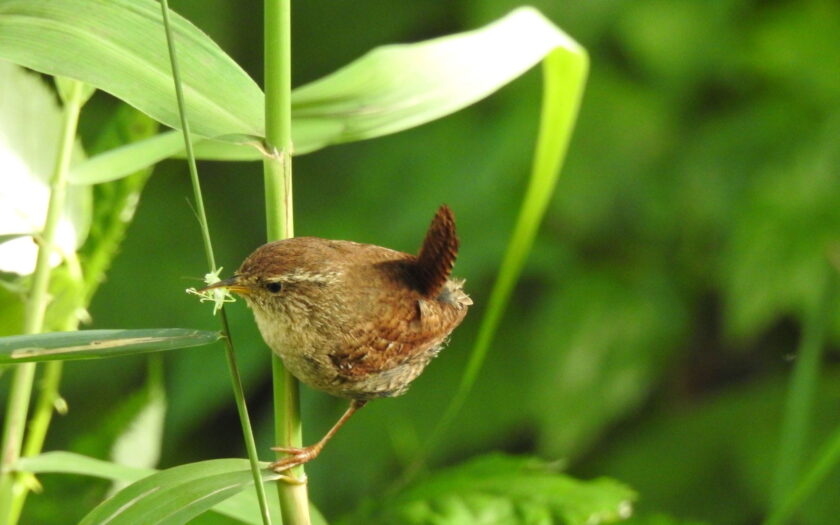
(91,344)
(118,46)
(242,506)
(565,70)
(71,463)
(564,81)
(396,87)
(176,495)
(125,159)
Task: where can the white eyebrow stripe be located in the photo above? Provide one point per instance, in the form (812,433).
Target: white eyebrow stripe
(303,276)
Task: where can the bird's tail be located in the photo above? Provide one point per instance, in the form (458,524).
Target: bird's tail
(437,255)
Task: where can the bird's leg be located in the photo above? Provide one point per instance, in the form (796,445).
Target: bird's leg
(299,456)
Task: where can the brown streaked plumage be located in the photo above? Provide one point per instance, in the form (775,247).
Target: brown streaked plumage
(354,320)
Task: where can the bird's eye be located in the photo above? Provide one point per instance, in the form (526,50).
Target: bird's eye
(274,287)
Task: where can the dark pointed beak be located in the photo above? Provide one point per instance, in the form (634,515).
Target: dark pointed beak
(231,284)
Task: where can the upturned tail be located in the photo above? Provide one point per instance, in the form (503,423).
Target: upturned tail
(437,255)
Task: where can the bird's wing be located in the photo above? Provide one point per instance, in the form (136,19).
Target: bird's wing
(398,331)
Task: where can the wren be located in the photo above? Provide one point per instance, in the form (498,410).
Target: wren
(354,320)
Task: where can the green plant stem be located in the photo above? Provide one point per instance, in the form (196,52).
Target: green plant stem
(51,378)
(244,418)
(41,417)
(42,414)
(185,128)
(826,461)
(236,379)
(277,171)
(800,398)
(801,393)
(12,491)
(48,389)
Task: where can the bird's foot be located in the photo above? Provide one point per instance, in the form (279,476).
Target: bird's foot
(297,456)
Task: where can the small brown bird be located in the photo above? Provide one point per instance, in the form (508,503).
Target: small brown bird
(357,321)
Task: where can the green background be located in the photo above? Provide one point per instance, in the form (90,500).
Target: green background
(655,326)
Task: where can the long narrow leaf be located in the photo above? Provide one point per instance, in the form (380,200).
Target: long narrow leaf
(12,236)
(390,89)
(795,430)
(176,495)
(564,80)
(126,159)
(827,460)
(118,46)
(242,506)
(71,463)
(564,77)
(397,87)
(91,344)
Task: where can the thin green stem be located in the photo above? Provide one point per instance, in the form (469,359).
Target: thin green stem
(39,423)
(12,491)
(42,414)
(236,379)
(787,495)
(244,418)
(827,460)
(185,128)
(801,393)
(51,378)
(48,393)
(277,171)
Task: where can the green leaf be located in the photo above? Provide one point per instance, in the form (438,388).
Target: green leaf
(774,260)
(30,123)
(89,344)
(119,47)
(242,506)
(827,460)
(505,489)
(390,89)
(799,404)
(565,69)
(70,463)
(397,87)
(11,236)
(176,495)
(120,161)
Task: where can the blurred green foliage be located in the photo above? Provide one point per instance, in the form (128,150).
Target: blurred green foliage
(503,489)
(654,330)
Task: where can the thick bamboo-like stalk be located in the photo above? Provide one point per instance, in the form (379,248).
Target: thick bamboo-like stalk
(277,170)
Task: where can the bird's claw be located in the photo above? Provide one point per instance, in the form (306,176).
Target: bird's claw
(297,456)
(293,451)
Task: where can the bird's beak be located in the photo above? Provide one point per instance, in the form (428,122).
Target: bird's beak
(231,284)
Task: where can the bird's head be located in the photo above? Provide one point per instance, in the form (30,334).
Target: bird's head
(284,278)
